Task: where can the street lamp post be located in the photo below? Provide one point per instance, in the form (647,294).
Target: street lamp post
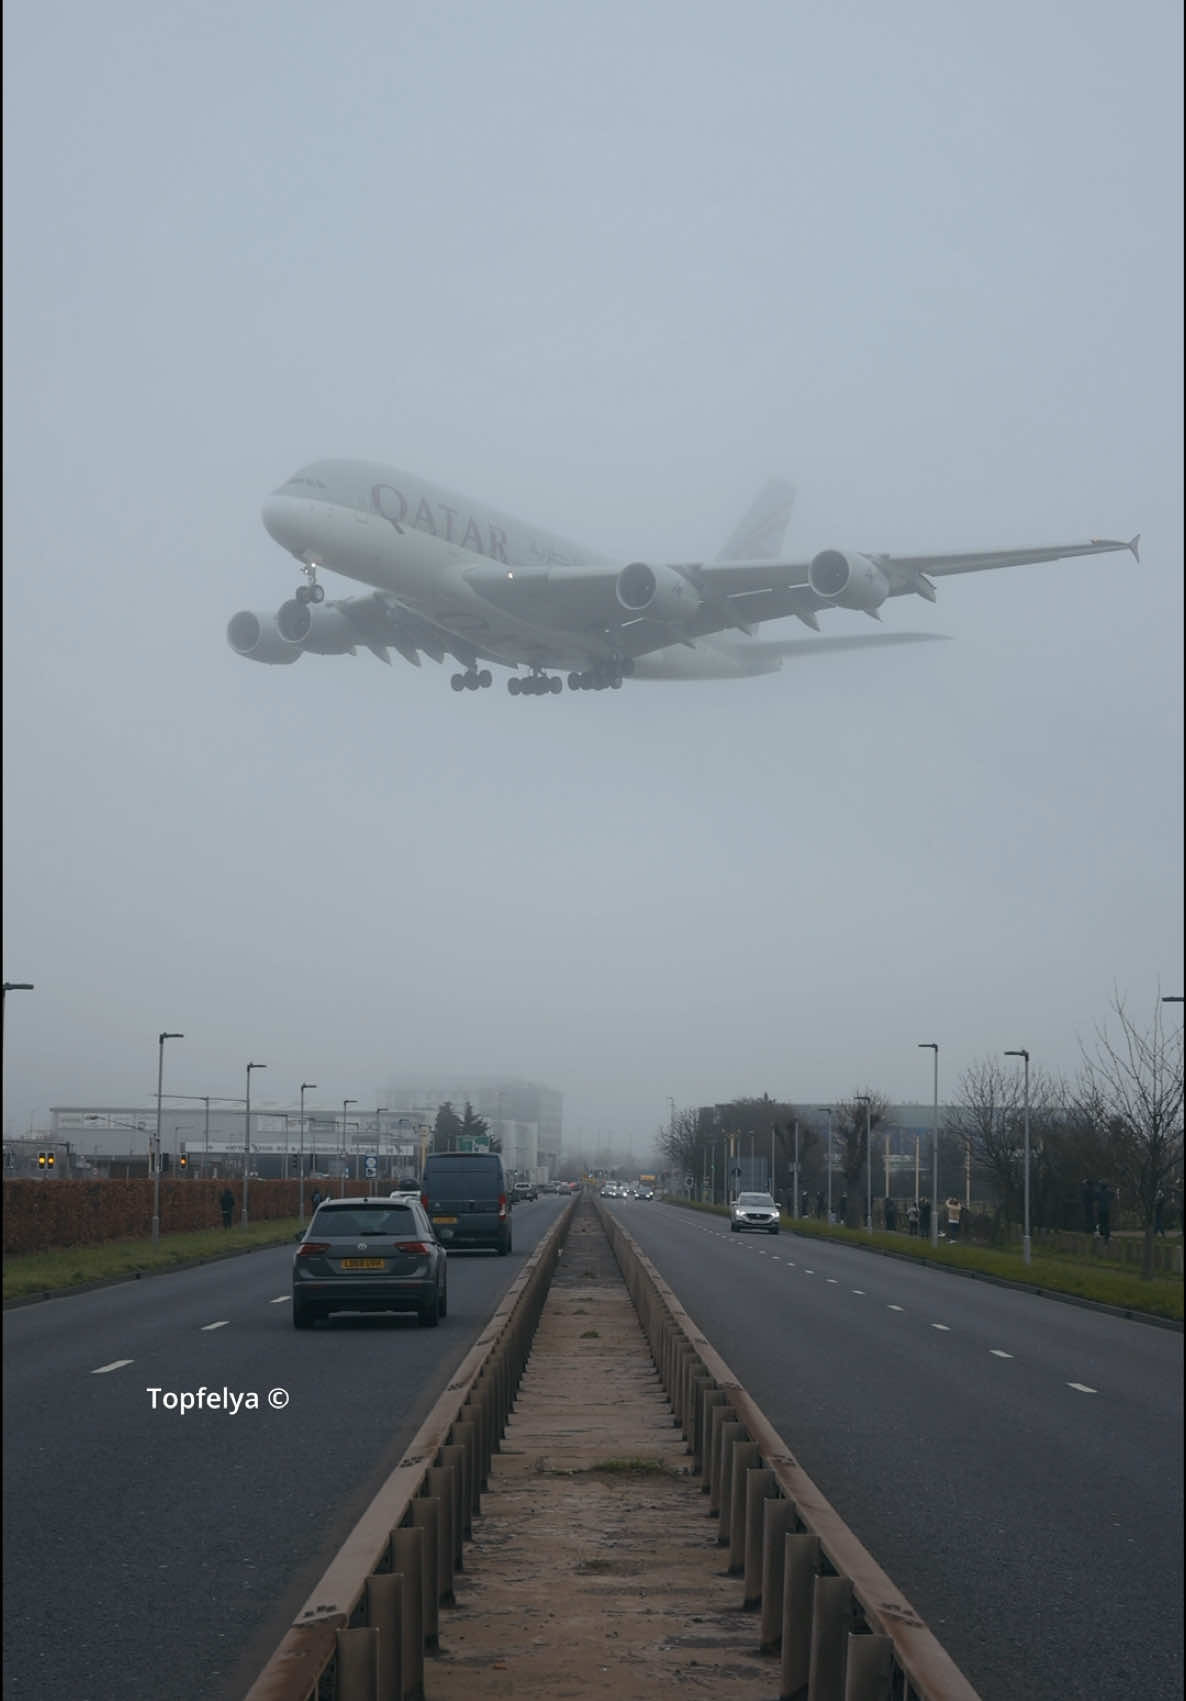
(1025,1232)
(866,1100)
(345,1149)
(828,1160)
(9,986)
(930,1045)
(304,1085)
(795,1202)
(156,1167)
(247,1140)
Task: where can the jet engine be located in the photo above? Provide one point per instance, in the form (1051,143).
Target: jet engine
(659,593)
(325,631)
(257,637)
(848,581)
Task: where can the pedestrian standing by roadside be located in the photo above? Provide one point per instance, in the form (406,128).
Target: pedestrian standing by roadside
(316,1197)
(924,1217)
(912,1217)
(227,1202)
(1103,1196)
(821,1204)
(891,1216)
(953,1218)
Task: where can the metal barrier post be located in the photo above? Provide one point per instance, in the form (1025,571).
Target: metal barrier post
(778,1521)
(760,1485)
(801,1556)
(746,1457)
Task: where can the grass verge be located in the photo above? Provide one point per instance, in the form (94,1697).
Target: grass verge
(1162,1297)
(75,1266)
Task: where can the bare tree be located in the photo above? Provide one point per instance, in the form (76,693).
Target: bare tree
(853,1121)
(1134,1082)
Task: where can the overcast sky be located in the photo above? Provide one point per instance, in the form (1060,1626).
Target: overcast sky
(608,266)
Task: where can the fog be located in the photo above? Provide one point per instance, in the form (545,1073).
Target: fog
(608,268)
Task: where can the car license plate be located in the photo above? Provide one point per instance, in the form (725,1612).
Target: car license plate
(444,1219)
(362,1263)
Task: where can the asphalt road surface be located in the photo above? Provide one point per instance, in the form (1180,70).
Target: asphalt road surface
(151,1553)
(1013,1463)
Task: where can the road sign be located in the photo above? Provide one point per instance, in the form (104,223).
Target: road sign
(370,1165)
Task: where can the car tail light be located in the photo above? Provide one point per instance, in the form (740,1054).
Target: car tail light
(502,1204)
(416,1246)
(424,1200)
(310,1248)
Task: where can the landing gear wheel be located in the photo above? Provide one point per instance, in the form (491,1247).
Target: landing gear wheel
(485,679)
(304,593)
(574,682)
(317,593)
(555,684)
(514,685)
(458,682)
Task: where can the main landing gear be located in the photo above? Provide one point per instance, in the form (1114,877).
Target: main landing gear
(605,676)
(472,680)
(311,591)
(537,685)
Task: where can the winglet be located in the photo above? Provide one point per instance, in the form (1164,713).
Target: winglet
(1135,546)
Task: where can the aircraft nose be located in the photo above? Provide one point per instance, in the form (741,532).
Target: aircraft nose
(274,513)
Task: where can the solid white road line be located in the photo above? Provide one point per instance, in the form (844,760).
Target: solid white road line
(1082,1388)
(206,1327)
(116,1364)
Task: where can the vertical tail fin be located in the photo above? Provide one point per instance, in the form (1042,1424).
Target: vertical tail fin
(758,535)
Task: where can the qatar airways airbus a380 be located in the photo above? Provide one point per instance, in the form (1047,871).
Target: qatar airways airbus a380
(451,576)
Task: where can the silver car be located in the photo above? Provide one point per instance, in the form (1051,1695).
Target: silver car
(369,1255)
(755,1211)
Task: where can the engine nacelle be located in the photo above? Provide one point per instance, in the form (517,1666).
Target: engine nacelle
(325,631)
(257,637)
(659,593)
(848,581)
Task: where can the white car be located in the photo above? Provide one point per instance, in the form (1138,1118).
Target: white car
(755,1211)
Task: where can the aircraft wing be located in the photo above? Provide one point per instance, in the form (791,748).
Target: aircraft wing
(699,598)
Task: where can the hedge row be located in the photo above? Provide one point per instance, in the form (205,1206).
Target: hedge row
(40,1215)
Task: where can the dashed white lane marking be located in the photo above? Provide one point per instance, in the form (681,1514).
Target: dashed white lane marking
(946,1327)
(861,1291)
(282,1299)
(832,1280)
(895,1308)
(998,1352)
(206,1327)
(1082,1388)
(809,1272)
(116,1364)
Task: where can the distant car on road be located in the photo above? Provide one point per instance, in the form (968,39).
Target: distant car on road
(369,1255)
(755,1211)
(646,1193)
(524,1190)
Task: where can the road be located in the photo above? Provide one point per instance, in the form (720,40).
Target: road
(1013,1463)
(150,1553)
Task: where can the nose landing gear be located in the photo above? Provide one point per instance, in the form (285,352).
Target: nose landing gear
(311,591)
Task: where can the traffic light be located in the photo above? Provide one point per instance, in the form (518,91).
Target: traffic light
(183,1160)
(49,1160)
(165,1157)
(41,1160)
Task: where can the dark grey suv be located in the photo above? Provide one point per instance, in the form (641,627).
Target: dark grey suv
(369,1255)
(465,1195)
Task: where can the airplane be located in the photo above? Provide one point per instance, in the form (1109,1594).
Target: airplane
(449,575)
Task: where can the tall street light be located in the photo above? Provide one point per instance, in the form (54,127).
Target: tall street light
(247,1140)
(930,1045)
(827,1109)
(1025,1233)
(9,986)
(156,1167)
(866,1100)
(345,1149)
(312,1087)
